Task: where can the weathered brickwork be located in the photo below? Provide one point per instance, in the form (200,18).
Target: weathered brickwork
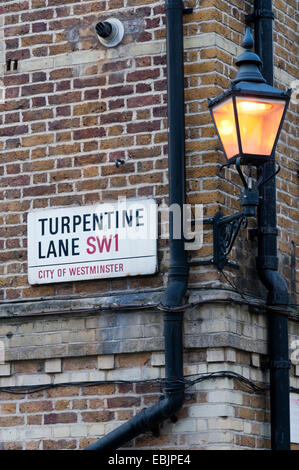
(72,107)
(58,353)
(219,413)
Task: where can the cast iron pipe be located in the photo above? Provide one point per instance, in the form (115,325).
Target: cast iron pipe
(267,261)
(178,268)
(150,419)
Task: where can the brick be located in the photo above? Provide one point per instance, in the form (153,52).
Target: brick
(13,130)
(91,132)
(123,402)
(158,359)
(5,370)
(39,190)
(13,446)
(60,444)
(147,126)
(95,403)
(42,114)
(117,91)
(64,392)
(215,355)
(64,98)
(36,406)
(210,411)
(8,408)
(55,418)
(246,413)
(98,390)
(83,404)
(106,362)
(7,421)
(97,416)
(33,141)
(53,366)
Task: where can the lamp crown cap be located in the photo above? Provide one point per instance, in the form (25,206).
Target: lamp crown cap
(249,62)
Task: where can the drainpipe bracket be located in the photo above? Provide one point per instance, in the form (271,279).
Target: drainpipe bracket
(278,298)
(280,364)
(187,11)
(267,262)
(259,14)
(155,431)
(268,230)
(268,364)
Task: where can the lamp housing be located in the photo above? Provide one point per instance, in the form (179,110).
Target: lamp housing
(248,120)
(249,116)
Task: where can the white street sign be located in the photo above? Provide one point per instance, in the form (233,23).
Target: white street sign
(92,242)
(294,415)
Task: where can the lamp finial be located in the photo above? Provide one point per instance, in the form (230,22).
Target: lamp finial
(248,39)
(249,63)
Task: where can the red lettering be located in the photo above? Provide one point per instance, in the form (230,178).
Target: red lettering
(116,242)
(91,250)
(104,243)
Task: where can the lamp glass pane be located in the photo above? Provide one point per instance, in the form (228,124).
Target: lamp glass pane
(225,122)
(259,121)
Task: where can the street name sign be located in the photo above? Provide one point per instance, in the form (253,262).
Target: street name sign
(92,242)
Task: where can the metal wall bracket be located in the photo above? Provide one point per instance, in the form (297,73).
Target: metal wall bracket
(225,231)
(187,11)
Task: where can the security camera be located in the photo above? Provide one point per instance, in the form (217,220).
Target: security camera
(110,32)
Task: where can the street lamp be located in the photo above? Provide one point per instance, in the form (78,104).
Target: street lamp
(248,119)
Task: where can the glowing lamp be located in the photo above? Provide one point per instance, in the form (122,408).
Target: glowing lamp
(249,117)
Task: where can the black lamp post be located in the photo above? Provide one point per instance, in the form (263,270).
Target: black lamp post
(248,119)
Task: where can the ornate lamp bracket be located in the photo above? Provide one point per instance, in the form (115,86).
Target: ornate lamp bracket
(226,229)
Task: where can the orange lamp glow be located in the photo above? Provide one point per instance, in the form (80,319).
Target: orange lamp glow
(225,122)
(257,121)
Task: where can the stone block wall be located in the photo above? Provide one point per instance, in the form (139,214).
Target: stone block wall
(68,381)
(71,109)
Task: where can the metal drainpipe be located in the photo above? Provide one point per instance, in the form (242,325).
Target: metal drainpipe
(267,261)
(150,419)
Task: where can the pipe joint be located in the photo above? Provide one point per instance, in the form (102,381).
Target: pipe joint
(276,285)
(175,293)
(267,262)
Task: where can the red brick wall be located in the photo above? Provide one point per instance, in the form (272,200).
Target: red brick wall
(71,108)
